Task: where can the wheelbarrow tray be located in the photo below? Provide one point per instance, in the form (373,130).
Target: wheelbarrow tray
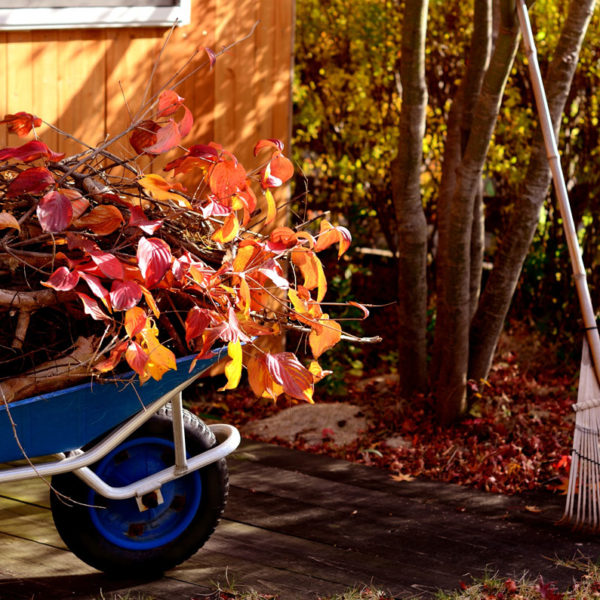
(71,418)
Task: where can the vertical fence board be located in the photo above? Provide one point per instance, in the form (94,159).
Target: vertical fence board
(81,87)
(44,58)
(19,88)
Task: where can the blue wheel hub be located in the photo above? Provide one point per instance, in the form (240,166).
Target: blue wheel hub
(121,521)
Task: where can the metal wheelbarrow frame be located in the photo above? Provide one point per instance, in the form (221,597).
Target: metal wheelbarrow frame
(144,519)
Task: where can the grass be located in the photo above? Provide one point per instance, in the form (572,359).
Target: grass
(489,587)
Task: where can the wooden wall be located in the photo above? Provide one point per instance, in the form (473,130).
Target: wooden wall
(84,81)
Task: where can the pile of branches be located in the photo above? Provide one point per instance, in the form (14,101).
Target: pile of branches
(107,267)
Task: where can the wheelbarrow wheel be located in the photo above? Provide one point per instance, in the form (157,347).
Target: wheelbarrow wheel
(115,536)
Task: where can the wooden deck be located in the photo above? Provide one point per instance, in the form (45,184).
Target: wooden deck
(302,526)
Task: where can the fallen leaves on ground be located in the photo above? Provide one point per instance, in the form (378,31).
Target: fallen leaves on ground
(516,437)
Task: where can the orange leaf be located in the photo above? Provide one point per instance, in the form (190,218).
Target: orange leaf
(328,337)
(260,380)
(8,221)
(244,257)
(135,320)
(114,358)
(160,189)
(281,167)
(101,220)
(150,301)
(312,271)
(227,178)
(331,235)
(230,229)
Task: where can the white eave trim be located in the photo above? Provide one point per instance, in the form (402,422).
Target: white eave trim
(94,16)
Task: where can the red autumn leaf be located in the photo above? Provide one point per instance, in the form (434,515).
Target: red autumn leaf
(54,212)
(169,102)
(227,178)
(154,259)
(78,202)
(196,322)
(21,123)
(102,220)
(288,371)
(139,219)
(167,137)
(136,358)
(229,330)
(95,286)
(91,307)
(185,125)
(62,280)
(32,181)
(109,264)
(144,136)
(124,294)
(282,238)
(29,152)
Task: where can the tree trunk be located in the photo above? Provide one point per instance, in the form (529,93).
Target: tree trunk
(454,304)
(458,127)
(406,196)
(516,240)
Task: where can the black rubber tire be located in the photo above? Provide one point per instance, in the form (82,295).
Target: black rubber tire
(75,525)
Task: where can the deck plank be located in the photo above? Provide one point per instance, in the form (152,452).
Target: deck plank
(303,525)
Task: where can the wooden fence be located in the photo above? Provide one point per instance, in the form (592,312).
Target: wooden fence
(86,81)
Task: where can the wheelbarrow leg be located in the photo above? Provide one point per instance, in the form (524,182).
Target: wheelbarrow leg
(181,465)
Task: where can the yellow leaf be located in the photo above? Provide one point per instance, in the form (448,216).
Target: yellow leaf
(230,229)
(233,369)
(160,358)
(317,371)
(271,207)
(7,220)
(328,337)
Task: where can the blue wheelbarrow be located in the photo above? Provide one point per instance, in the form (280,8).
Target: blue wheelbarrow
(138,484)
